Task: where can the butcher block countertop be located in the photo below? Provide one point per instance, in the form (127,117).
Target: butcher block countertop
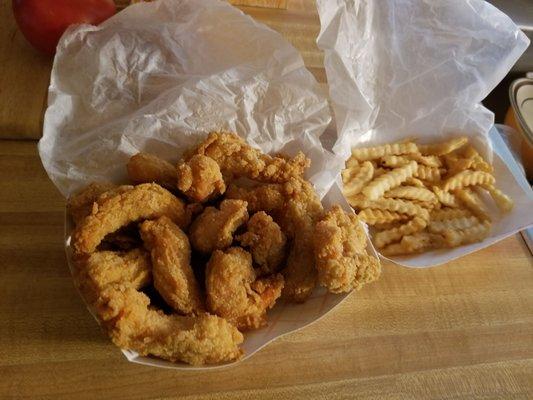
(459,331)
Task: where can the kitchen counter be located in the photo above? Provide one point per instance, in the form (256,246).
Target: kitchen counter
(463,330)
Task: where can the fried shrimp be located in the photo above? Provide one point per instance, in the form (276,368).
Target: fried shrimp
(200,178)
(145,201)
(233,291)
(238,159)
(296,207)
(133,325)
(214,228)
(300,272)
(340,250)
(171,265)
(79,205)
(97,270)
(266,241)
(147,168)
(267,197)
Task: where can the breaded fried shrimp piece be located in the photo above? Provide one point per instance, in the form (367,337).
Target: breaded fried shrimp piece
(267,242)
(238,159)
(267,197)
(296,208)
(300,272)
(233,291)
(340,250)
(199,178)
(147,168)
(171,265)
(145,201)
(131,324)
(214,228)
(97,270)
(79,205)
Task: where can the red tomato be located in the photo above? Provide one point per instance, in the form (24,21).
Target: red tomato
(43,21)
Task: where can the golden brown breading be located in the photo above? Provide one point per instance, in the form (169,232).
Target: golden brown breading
(214,229)
(296,207)
(238,159)
(200,178)
(266,197)
(300,272)
(79,205)
(97,270)
(145,201)
(267,243)
(131,324)
(171,265)
(233,291)
(340,250)
(147,168)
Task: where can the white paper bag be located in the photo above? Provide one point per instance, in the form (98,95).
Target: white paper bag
(404,68)
(157,77)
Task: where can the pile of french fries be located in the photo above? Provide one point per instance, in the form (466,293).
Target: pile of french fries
(422,197)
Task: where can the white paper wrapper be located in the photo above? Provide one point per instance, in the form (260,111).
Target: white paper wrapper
(404,68)
(157,77)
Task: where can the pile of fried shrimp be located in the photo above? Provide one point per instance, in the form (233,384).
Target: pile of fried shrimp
(419,197)
(183,259)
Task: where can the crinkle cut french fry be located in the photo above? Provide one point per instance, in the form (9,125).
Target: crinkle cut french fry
(396,205)
(449,213)
(357,182)
(352,163)
(454,223)
(394,161)
(377,187)
(471,200)
(473,234)
(379,172)
(428,161)
(394,249)
(504,202)
(375,216)
(448,199)
(415,243)
(372,153)
(383,238)
(414,182)
(479,164)
(456,164)
(412,193)
(467,178)
(439,149)
(430,205)
(422,240)
(348,174)
(389,225)
(430,174)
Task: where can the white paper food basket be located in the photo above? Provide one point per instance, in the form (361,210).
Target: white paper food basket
(157,77)
(398,69)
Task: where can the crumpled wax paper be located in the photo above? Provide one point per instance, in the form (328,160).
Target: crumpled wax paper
(157,77)
(420,68)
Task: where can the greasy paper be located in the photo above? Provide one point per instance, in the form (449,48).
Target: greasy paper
(157,77)
(398,69)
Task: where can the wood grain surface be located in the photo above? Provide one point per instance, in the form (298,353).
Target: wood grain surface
(261,3)
(25,74)
(459,331)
